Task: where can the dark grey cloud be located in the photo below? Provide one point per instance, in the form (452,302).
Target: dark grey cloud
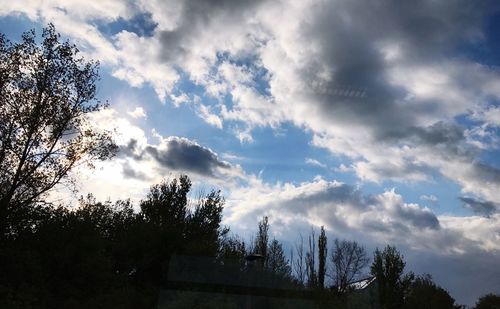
(186,155)
(350,33)
(130,172)
(402,223)
(204,10)
(197,16)
(355,63)
(484,208)
(405,171)
(438,133)
(131,150)
(447,138)
(177,154)
(418,217)
(426,27)
(332,194)
(488,173)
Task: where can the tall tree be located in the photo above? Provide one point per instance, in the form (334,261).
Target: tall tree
(312,277)
(348,261)
(46,95)
(322,254)
(298,264)
(262,239)
(277,262)
(393,286)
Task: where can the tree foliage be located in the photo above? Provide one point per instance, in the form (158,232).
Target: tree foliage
(298,261)
(108,255)
(310,262)
(488,301)
(274,261)
(349,259)
(424,293)
(173,226)
(322,257)
(262,239)
(232,252)
(46,95)
(393,285)
(277,262)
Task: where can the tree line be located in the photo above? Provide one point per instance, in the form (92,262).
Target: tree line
(116,254)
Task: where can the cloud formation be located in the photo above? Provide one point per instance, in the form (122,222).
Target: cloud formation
(138,112)
(178,154)
(371,81)
(145,159)
(338,206)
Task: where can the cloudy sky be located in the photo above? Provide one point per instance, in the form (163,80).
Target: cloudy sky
(378,119)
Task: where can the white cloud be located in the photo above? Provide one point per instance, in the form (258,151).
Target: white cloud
(180,99)
(431,198)
(138,112)
(139,63)
(491,115)
(315,162)
(133,58)
(205,113)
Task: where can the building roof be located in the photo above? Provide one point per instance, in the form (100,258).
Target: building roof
(362,284)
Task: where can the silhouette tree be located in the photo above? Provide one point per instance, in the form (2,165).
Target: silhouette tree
(310,259)
(424,293)
(46,96)
(232,252)
(204,231)
(171,227)
(322,254)
(393,285)
(262,240)
(74,258)
(298,264)
(348,261)
(489,301)
(277,263)
(165,206)
(274,260)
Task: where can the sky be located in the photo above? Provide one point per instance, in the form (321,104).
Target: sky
(378,119)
